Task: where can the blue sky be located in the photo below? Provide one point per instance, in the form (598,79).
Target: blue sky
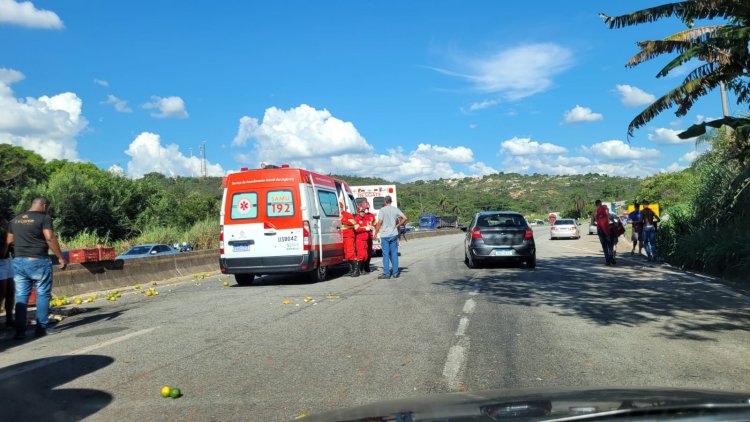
(401,90)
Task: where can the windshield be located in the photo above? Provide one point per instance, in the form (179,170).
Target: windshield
(564,222)
(248,130)
(138,250)
(501,220)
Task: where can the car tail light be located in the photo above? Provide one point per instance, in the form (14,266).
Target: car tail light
(221,241)
(552,228)
(306,235)
(476,234)
(529,233)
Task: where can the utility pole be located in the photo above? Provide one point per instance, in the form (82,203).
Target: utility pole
(190,149)
(203,159)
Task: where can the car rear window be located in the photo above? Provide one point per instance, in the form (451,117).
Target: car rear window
(501,220)
(279,203)
(329,203)
(244,206)
(564,222)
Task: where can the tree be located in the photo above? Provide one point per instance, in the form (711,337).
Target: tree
(720,52)
(578,199)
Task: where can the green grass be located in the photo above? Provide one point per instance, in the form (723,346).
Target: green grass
(202,235)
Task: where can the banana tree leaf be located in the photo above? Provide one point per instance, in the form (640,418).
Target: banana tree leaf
(739,124)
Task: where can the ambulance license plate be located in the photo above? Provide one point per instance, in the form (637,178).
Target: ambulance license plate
(241,247)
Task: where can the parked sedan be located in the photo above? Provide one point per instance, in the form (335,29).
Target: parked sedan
(499,236)
(142,251)
(564,229)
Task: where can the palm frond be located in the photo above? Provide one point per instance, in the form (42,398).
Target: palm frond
(684,96)
(695,34)
(654,48)
(687,11)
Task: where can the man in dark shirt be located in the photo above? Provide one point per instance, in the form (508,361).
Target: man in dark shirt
(32,236)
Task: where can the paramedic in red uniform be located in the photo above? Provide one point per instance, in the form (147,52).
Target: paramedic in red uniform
(362,237)
(370,218)
(348,226)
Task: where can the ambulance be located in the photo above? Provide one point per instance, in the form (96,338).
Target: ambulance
(281,220)
(375,196)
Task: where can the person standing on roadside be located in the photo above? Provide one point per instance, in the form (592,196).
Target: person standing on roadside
(389,218)
(362,237)
(371,219)
(636,225)
(348,228)
(7,287)
(32,236)
(649,219)
(605,232)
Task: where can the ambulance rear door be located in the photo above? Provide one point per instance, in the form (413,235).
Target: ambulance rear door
(264,222)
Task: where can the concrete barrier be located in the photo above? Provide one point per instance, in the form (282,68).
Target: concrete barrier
(81,278)
(77,279)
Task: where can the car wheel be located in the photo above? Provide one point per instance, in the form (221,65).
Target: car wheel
(531,262)
(244,279)
(470,260)
(319,274)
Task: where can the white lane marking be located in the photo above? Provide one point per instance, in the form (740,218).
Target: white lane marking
(49,361)
(452,366)
(462,324)
(474,292)
(469,306)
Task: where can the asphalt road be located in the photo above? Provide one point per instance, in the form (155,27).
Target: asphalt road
(239,353)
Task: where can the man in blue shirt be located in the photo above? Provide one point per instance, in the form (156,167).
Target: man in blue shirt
(634,218)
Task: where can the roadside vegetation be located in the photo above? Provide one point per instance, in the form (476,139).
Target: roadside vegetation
(708,227)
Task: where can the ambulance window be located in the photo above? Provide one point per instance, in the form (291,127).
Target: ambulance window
(378,202)
(279,203)
(244,205)
(329,203)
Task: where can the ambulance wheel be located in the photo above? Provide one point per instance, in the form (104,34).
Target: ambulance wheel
(319,274)
(244,279)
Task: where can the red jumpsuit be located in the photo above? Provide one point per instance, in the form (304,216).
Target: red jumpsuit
(370,217)
(362,237)
(348,225)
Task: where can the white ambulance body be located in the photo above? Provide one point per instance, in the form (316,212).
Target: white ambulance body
(281,220)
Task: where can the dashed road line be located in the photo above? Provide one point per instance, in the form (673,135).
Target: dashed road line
(462,324)
(469,306)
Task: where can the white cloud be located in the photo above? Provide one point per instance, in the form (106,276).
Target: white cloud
(120,104)
(632,96)
(169,107)
(101,82)
(481,169)
(300,132)
(314,139)
(446,154)
(699,118)
(619,150)
(148,155)
(46,125)
(525,146)
(483,104)
(674,167)
(578,165)
(10,76)
(25,14)
(116,170)
(516,72)
(472,125)
(581,114)
(668,136)
(690,156)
